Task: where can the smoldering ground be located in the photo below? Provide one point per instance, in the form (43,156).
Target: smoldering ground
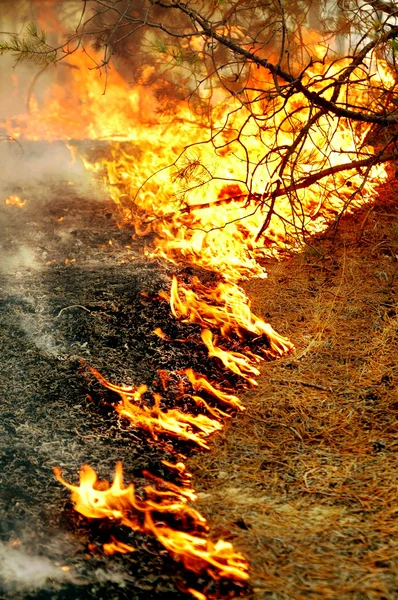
(65,298)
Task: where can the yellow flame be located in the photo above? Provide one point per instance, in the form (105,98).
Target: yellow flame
(171,422)
(98,500)
(15,200)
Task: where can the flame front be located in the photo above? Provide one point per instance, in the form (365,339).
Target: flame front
(205,189)
(99,500)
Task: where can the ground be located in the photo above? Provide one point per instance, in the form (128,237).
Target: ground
(303,482)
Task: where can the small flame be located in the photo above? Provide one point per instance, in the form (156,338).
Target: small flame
(117,547)
(236,362)
(15,200)
(225,307)
(199,382)
(157,421)
(98,499)
(196,594)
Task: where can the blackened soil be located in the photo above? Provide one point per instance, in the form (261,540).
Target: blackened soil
(56,317)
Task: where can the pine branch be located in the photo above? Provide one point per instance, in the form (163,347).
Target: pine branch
(31,46)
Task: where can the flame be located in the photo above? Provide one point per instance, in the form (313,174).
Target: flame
(157,422)
(15,200)
(206,205)
(201,383)
(196,594)
(99,500)
(232,313)
(117,547)
(203,188)
(236,362)
(197,553)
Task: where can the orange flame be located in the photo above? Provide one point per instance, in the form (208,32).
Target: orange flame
(236,362)
(156,421)
(117,547)
(205,206)
(209,212)
(229,312)
(201,383)
(15,200)
(97,499)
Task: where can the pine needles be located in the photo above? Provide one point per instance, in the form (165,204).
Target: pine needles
(31,46)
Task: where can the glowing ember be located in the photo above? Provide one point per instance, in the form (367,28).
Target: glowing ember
(98,500)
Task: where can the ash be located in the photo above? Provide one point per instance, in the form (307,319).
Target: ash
(71,295)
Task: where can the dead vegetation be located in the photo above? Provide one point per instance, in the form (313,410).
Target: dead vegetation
(305,481)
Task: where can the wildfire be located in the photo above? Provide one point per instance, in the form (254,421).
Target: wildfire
(15,200)
(203,188)
(206,200)
(206,204)
(98,500)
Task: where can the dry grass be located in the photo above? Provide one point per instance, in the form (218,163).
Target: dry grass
(305,481)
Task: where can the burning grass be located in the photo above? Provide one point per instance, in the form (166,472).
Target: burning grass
(303,482)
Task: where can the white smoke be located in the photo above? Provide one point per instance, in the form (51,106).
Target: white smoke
(22,571)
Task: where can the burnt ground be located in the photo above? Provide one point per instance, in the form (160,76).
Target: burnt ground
(69,298)
(305,481)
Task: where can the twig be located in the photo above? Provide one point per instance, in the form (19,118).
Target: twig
(72,306)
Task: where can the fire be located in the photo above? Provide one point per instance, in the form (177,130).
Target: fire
(206,200)
(98,500)
(220,193)
(236,362)
(15,200)
(201,383)
(156,421)
(203,203)
(230,312)
(117,547)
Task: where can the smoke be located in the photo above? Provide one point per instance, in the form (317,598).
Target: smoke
(33,163)
(22,571)
(12,262)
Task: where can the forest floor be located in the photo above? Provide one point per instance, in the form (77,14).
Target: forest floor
(305,481)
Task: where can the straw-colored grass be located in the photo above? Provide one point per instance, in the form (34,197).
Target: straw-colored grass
(305,481)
